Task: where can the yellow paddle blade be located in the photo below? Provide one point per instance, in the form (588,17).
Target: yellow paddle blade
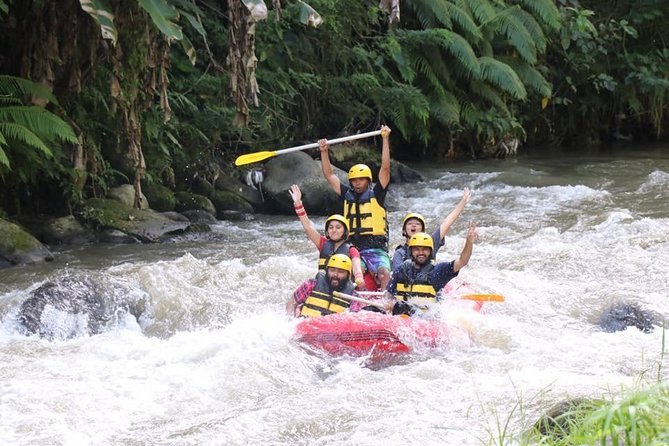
(484,297)
(253,157)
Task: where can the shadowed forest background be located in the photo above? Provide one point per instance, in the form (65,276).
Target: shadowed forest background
(97,93)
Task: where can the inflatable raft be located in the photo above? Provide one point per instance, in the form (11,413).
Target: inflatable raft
(370,333)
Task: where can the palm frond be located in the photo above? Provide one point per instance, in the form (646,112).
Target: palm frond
(17,132)
(545,10)
(501,75)
(40,121)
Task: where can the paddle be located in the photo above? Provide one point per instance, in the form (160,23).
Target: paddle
(260,156)
(483,297)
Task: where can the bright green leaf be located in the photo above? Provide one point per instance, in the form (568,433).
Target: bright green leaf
(163,15)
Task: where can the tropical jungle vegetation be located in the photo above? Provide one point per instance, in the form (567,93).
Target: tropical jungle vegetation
(95,93)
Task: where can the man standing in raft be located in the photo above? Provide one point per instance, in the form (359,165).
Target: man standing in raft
(364,208)
(315,296)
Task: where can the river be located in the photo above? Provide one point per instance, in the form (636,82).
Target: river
(561,236)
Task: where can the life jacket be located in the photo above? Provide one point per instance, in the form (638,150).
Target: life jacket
(321,302)
(417,287)
(366,217)
(328,250)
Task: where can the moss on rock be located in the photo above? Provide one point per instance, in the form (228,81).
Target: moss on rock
(160,198)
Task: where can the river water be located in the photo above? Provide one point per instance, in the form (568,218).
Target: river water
(212,362)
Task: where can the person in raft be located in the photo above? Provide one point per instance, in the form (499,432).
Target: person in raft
(334,240)
(364,208)
(414,222)
(315,296)
(419,279)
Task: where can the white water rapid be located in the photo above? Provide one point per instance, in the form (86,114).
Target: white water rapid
(211,361)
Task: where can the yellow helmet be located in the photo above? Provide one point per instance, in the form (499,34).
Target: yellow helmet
(339,218)
(421,239)
(360,171)
(340,261)
(408,217)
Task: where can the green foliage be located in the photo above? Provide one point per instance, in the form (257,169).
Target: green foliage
(609,71)
(639,419)
(29,135)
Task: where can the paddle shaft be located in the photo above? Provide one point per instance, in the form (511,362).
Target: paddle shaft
(330,142)
(359,299)
(260,156)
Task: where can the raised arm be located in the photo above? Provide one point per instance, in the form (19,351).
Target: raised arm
(466,253)
(455,213)
(312,233)
(384,171)
(328,173)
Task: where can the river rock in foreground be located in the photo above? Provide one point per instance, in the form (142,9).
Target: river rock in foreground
(71,307)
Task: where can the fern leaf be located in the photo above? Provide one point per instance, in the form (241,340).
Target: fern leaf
(491,96)
(529,76)
(545,10)
(482,10)
(501,75)
(534,29)
(17,132)
(4,161)
(40,121)
(445,109)
(508,24)
(464,20)
(17,86)
(431,13)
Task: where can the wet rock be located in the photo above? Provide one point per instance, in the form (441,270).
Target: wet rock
(126,195)
(145,225)
(71,307)
(199,216)
(557,422)
(187,201)
(622,315)
(160,198)
(18,247)
(298,168)
(66,231)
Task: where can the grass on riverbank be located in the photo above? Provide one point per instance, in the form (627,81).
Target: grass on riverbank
(640,417)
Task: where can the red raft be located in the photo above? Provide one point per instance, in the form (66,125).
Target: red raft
(366,332)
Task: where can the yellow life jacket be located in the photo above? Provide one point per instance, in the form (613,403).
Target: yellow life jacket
(366,217)
(328,250)
(418,286)
(321,302)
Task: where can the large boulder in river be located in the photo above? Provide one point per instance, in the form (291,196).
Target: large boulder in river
(299,168)
(144,224)
(72,307)
(160,198)
(126,195)
(18,247)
